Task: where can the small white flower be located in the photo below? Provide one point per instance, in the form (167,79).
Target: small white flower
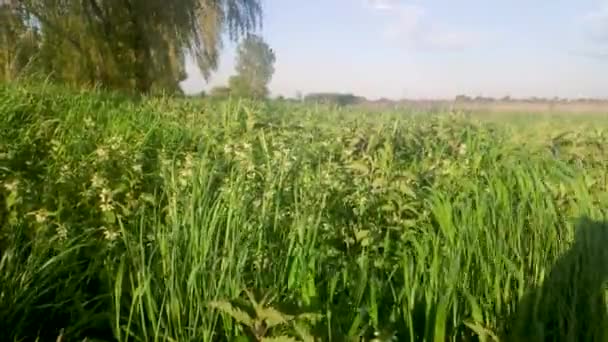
(110,235)
(97,181)
(12,186)
(62,232)
(106,207)
(106,200)
(55,145)
(101,153)
(183,182)
(189,160)
(462,149)
(41,215)
(186,173)
(115,142)
(88,122)
(165,162)
(105,195)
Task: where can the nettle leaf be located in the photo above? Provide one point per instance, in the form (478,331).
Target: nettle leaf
(360,167)
(122,188)
(272,317)
(481,331)
(362,237)
(148,198)
(310,317)
(405,189)
(379,182)
(11,199)
(303,331)
(237,314)
(109,217)
(388,207)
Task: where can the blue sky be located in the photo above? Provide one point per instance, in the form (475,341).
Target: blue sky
(432,48)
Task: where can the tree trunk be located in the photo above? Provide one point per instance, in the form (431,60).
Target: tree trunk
(141,51)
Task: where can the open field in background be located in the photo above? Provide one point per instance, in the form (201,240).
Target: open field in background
(561,107)
(173,220)
(500,107)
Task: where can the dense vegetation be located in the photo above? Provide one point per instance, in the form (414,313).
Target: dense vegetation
(132,45)
(175,220)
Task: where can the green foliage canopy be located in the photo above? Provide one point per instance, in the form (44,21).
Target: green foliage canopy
(127,44)
(254,66)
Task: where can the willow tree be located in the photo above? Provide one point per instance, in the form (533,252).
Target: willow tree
(136,44)
(18,42)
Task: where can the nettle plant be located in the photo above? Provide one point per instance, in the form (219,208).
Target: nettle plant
(262,321)
(61,178)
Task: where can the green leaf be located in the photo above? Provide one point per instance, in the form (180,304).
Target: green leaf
(278,339)
(293,274)
(389,207)
(120,189)
(310,317)
(362,234)
(241,339)
(355,327)
(272,317)
(237,314)
(481,331)
(379,182)
(148,198)
(408,223)
(405,189)
(109,217)
(441,318)
(303,332)
(360,167)
(475,308)
(11,199)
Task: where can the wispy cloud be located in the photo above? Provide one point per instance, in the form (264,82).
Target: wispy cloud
(383,4)
(594,33)
(595,24)
(413,26)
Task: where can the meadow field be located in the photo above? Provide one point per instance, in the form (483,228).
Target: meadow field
(199,220)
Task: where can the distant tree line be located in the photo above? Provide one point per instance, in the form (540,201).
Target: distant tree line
(533,99)
(334,98)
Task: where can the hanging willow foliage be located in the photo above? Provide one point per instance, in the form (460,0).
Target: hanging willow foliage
(124,44)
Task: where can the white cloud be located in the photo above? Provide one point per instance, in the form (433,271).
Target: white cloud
(593,32)
(411,25)
(595,24)
(383,4)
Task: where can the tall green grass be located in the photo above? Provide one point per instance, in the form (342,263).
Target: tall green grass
(177,220)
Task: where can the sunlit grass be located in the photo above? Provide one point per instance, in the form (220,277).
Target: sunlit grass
(166,220)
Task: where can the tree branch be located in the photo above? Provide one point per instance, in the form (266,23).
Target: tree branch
(98,12)
(48,23)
